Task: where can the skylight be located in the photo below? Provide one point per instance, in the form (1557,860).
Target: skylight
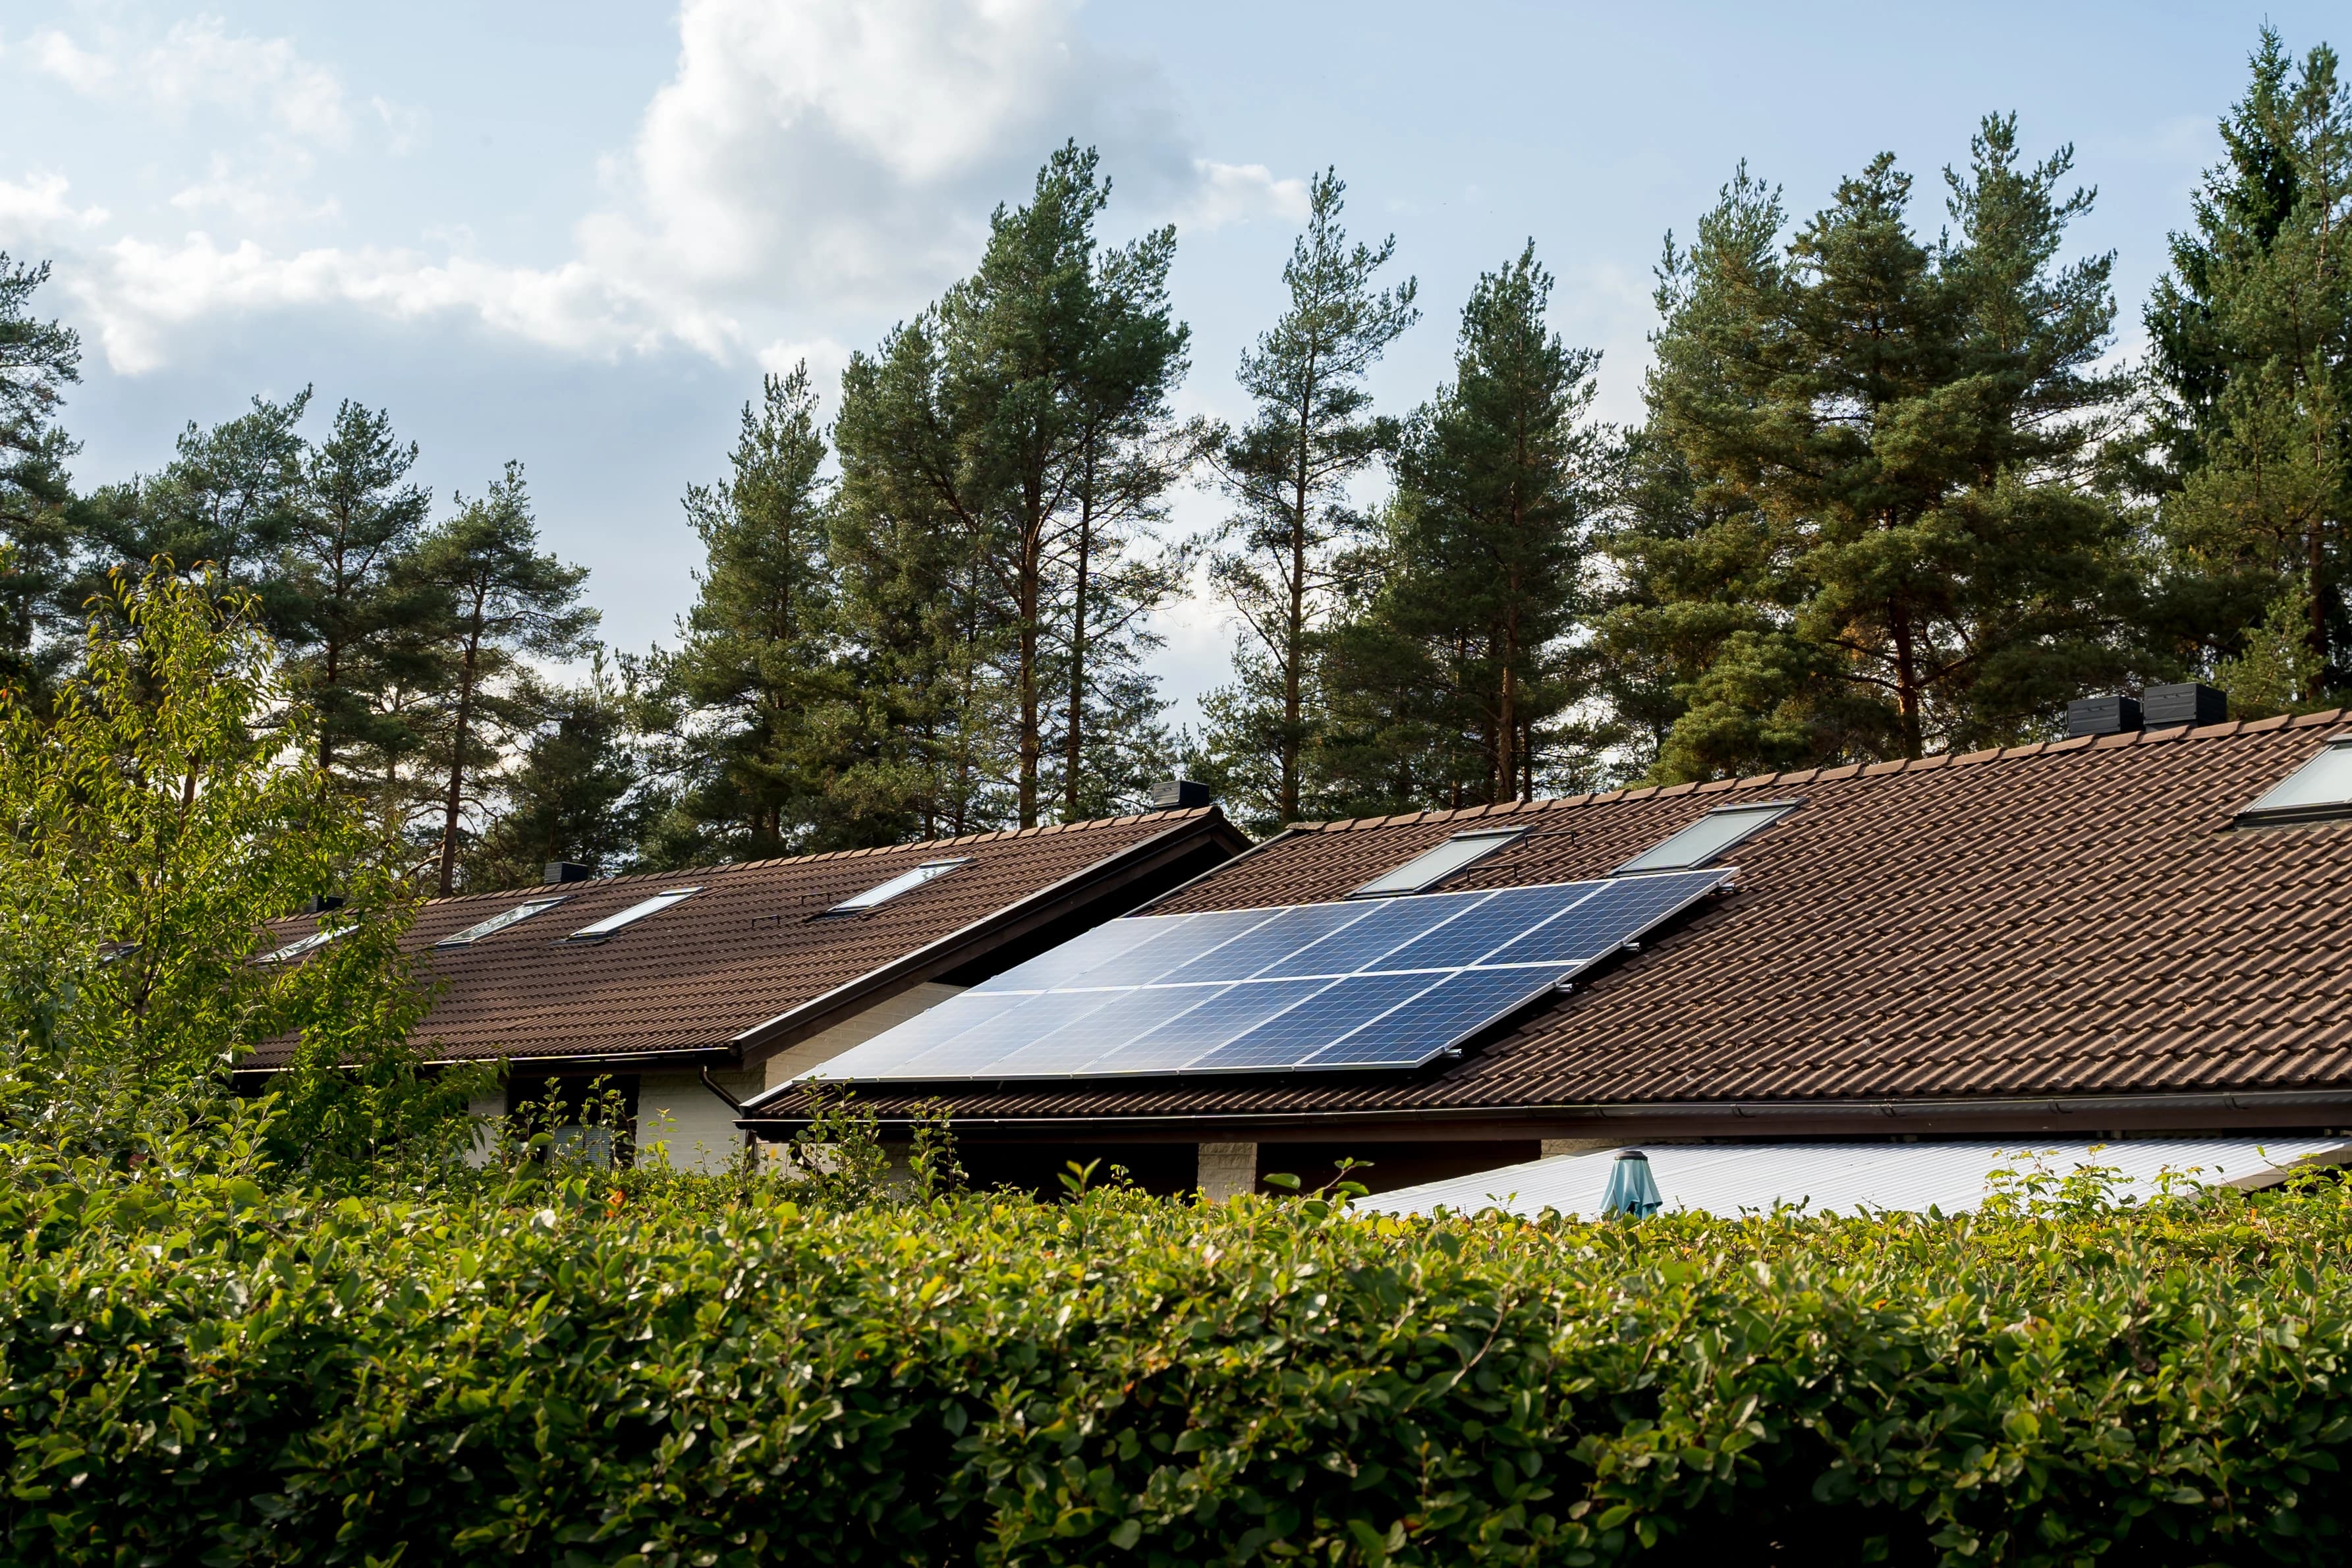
(633,914)
(2320,789)
(1709,836)
(1431,867)
(904,882)
(296,949)
(497,922)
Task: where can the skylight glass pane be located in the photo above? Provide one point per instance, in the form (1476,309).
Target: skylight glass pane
(497,923)
(1433,866)
(2321,788)
(633,913)
(1709,836)
(904,882)
(294,950)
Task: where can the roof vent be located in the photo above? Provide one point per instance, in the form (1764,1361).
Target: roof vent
(559,872)
(2109,715)
(2184,702)
(321,904)
(1179,795)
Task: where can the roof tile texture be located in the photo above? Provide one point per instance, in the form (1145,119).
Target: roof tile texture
(2063,918)
(754,943)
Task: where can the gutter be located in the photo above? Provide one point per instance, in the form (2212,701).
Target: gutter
(1690,1119)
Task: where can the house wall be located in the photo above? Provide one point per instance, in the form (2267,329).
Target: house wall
(680,1122)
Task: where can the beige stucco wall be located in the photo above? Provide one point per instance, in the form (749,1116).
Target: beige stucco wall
(682,1123)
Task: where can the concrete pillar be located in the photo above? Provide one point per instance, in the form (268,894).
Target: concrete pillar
(1227,1170)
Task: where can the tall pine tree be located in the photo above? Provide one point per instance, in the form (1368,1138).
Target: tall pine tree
(39,360)
(1499,480)
(500,604)
(1280,558)
(766,695)
(2253,372)
(1901,438)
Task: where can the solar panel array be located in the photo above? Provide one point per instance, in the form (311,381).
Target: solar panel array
(1391,983)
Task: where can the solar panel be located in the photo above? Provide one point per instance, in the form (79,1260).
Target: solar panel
(1314,987)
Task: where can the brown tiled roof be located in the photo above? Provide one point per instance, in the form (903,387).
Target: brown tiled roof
(755,944)
(2066,920)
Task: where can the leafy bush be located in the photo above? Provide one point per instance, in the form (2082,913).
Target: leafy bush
(571,1366)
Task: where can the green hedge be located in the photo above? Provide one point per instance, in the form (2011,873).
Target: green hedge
(199,1372)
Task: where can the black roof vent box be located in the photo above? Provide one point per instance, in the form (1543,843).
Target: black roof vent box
(559,872)
(1179,795)
(2112,714)
(2184,702)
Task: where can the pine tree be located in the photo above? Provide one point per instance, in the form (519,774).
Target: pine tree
(1499,480)
(499,603)
(230,499)
(1901,438)
(758,668)
(37,361)
(1280,555)
(356,517)
(574,794)
(999,456)
(2253,376)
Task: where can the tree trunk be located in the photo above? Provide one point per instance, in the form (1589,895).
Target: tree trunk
(1907,679)
(1073,746)
(453,804)
(1029,591)
(1294,654)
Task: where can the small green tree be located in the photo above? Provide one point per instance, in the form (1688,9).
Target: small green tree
(150,824)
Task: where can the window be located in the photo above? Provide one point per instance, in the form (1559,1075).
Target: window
(1431,867)
(904,882)
(2315,792)
(633,914)
(497,922)
(1709,836)
(312,943)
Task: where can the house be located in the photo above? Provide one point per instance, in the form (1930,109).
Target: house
(2142,930)
(689,991)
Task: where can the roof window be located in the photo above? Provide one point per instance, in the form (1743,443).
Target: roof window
(904,882)
(2320,789)
(1709,836)
(1433,866)
(312,943)
(497,922)
(633,914)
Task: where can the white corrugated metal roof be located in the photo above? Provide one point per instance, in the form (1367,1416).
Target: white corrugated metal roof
(1730,1179)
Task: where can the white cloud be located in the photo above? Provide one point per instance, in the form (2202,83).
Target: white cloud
(804,159)
(200,64)
(36,207)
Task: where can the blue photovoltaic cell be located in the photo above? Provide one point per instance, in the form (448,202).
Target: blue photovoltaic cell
(1619,913)
(1179,944)
(1057,966)
(889,1050)
(992,1039)
(1471,937)
(1392,924)
(1289,1038)
(1195,1033)
(1356,984)
(1440,1017)
(1123,1016)
(1277,939)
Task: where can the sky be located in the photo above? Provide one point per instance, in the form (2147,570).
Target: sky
(575,235)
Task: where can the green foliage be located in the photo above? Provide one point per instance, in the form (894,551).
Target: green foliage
(149,826)
(2253,380)
(1889,447)
(578,1365)
(37,361)
(1290,553)
(1453,688)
